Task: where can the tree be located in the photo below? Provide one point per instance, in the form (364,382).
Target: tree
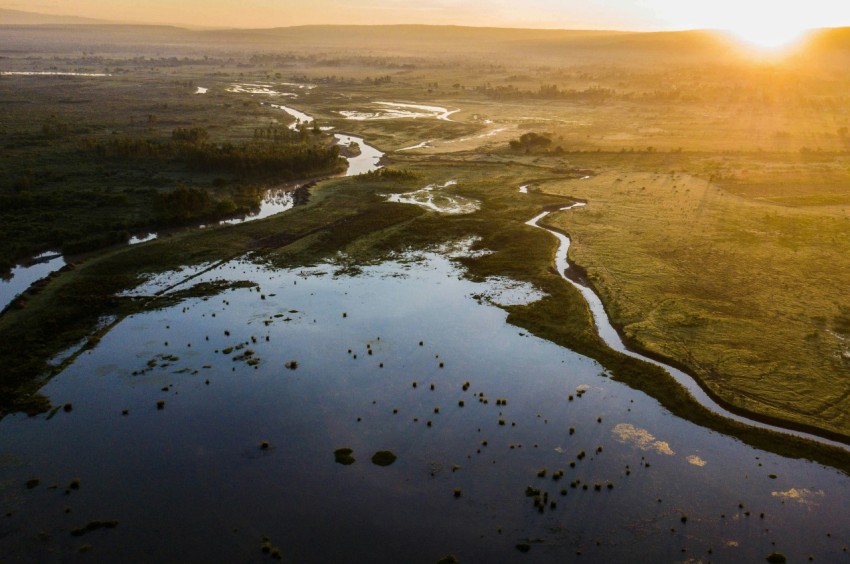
(530,142)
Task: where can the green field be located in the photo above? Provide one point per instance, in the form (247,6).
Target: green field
(749,296)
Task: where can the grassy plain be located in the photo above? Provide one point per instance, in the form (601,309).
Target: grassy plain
(716,229)
(749,296)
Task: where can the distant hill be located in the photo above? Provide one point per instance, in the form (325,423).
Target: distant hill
(836,39)
(18,17)
(22,31)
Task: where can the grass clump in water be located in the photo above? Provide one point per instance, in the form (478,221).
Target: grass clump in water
(344,456)
(383,458)
(94,526)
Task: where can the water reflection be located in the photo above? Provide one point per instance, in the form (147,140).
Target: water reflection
(192,477)
(367,160)
(396,110)
(22,276)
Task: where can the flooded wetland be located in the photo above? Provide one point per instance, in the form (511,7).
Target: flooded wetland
(207,426)
(375,305)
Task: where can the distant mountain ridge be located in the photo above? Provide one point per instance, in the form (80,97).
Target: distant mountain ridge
(32,31)
(19,17)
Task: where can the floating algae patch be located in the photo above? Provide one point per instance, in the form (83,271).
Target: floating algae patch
(696,460)
(803,496)
(641,438)
(344,456)
(383,458)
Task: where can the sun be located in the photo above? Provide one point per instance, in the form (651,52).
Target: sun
(759,26)
(768,36)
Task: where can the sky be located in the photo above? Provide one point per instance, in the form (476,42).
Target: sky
(766,18)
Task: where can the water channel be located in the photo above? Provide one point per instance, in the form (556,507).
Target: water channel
(273,202)
(613,340)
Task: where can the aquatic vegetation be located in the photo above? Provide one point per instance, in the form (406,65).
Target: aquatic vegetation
(383,458)
(94,526)
(344,456)
(803,496)
(640,438)
(696,460)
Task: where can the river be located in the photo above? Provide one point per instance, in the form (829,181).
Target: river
(274,201)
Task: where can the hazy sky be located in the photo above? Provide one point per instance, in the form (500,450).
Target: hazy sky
(740,15)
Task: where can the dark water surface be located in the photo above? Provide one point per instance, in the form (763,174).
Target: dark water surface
(190,482)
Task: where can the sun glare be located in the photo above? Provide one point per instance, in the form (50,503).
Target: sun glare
(770,36)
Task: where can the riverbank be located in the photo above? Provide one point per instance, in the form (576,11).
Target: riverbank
(697,389)
(716,316)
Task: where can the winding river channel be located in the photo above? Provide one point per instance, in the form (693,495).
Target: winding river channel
(274,201)
(612,339)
